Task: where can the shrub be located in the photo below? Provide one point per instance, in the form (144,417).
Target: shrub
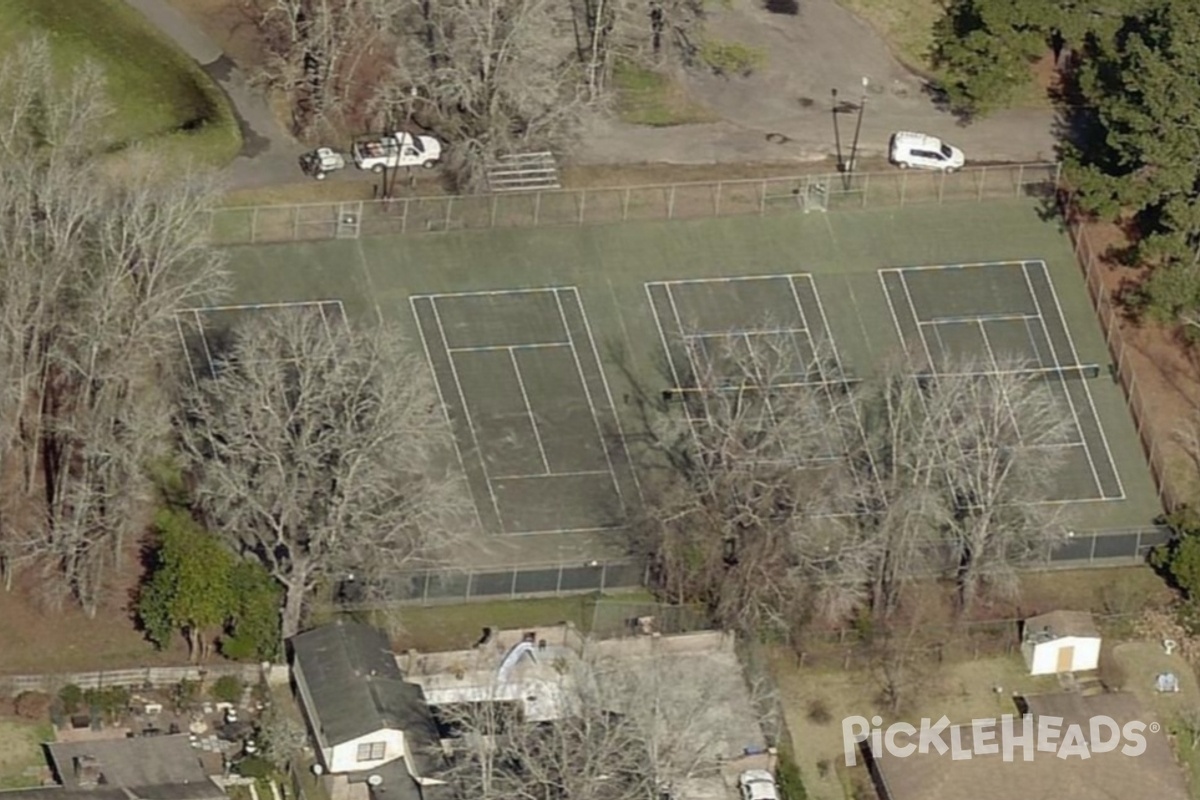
(227,689)
(787,775)
(184,693)
(818,712)
(731,58)
(32,705)
(108,703)
(70,696)
(1112,674)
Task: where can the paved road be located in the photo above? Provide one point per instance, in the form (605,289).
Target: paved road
(269,153)
(824,47)
(782,112)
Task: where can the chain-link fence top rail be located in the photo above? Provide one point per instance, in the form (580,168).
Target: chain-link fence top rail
(1090,261)
(692,200)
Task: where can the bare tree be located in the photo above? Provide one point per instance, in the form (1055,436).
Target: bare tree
(321,451)
(492,76)
(752,522)
(91,271)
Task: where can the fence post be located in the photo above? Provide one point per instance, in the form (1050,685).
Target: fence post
(717,200)
(512,587)
(979,184)
(903,185)
(254,225)
(866,176)
(625,206)
(1020,178)
(671,202)
(537,213)
(449,210)
(470,580)
(941,185)
(762,198)
(425,588)
(404,217)
(558,586)
(582,203)
(495,209)
(295,223)
(603,576)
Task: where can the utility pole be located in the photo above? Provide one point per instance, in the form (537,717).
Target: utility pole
(857,129)
(837,137)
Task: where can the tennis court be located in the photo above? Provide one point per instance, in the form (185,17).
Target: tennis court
(204,333)
(538,437)
(1007,317)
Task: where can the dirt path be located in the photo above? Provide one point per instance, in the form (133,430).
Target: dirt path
(268,155)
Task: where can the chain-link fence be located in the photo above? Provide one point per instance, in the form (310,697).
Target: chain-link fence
(694,200)
(433,587)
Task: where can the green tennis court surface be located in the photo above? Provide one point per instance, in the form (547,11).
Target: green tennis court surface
(541,340)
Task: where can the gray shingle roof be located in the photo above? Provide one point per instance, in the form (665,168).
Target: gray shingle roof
(357,688)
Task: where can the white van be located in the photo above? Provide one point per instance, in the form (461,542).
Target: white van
(919,151)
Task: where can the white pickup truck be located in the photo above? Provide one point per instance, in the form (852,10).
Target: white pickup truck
(397,150)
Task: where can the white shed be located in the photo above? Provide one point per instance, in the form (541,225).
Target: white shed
(1061,641)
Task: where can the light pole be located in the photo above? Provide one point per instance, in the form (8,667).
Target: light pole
(857,129)
(837,138)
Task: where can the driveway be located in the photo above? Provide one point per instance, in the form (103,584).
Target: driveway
(823,47)
(269,153)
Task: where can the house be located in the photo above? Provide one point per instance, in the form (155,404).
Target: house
(143,768)
(989,776)
(1061,641)
(370,724)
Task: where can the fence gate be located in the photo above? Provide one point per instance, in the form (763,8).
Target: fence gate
(523,172)
(349,220)
(816,194)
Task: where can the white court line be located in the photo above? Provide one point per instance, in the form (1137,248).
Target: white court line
(186,355)
(971,265)
(913,308)
(682,330)
(467,413)
(1063,380)
(892,308)
(541,476)
(537,436)
(1086,389)
(212,367)
(662,334)
(612,475)
(552,531)
(1012,413)
(412,301)
(492,347)
(746,332)
(587,326)
(837,359)
(490,293)
(732,279)
(325,321)
(977,318)
(265,306)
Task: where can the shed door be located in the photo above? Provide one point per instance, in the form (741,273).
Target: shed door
(1066,659)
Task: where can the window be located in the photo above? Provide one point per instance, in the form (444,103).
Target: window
(372,751)
(946,151)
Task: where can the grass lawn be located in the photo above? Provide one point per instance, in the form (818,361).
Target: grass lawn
(456,627)
(646,97)
(21,752)
(160,96)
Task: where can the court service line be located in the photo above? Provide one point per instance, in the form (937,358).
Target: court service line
(846,449)
(920,333)
(1086,389)
(766,396)
(437,385)
(491,293)
(466,412)
(612,475)
(587,326)
(662,334)
(682,332)
(267,306)
(212,366)
(977,318)
(1012,413)
(589,473)
(744,332)
(487,348)
(1066,389)
(727,279)
(970,265)
(186,355)
(537,436)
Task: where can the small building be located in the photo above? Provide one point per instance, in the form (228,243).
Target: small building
(1061,641)
(370,725)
